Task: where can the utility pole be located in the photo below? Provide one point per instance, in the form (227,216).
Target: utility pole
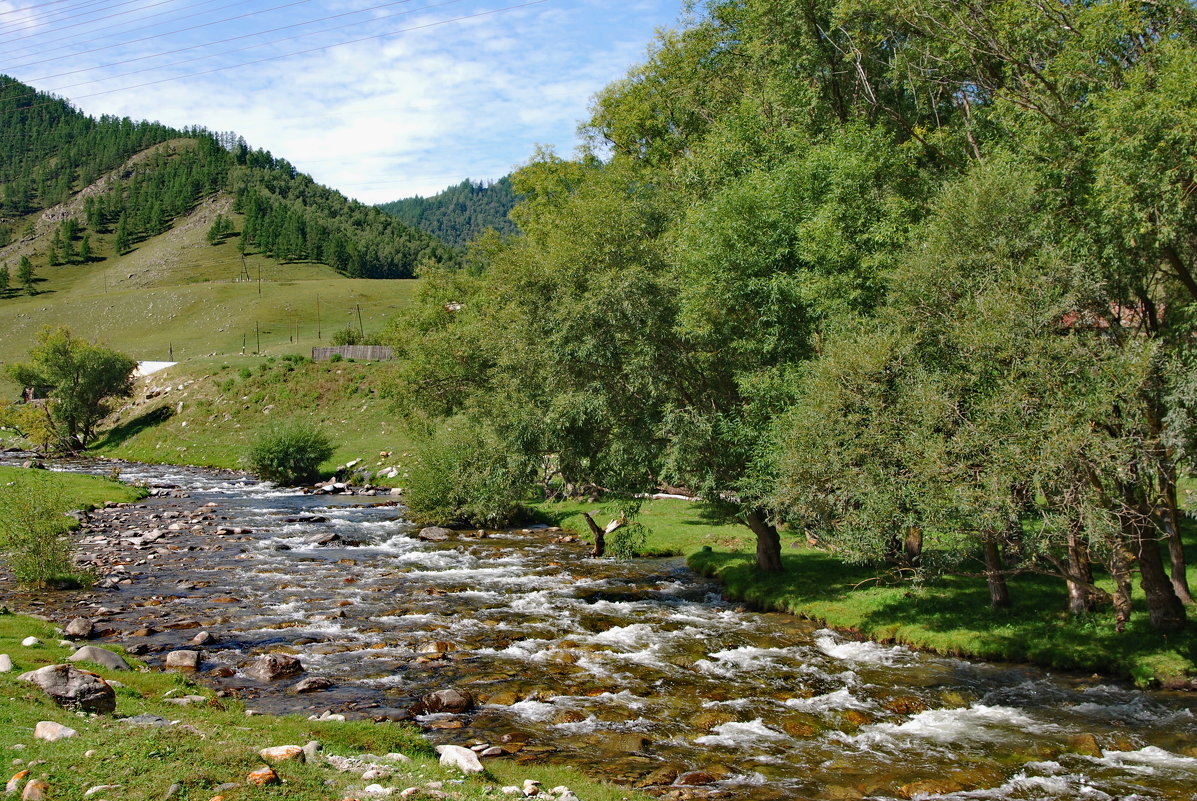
(257,337)
(318,332)
(361,330)
(171,347)
(259,278)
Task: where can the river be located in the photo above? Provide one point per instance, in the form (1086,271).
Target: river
(636,671)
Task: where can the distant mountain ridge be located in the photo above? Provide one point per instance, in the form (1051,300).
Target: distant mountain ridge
(67,178)
(459,213)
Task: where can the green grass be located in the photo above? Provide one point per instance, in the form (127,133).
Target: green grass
(82,492)
(213,742)
(948,615)
(175,291)
(226,402)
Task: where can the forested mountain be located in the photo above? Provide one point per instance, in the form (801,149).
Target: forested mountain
(460,213)
(916,280)
(135,179)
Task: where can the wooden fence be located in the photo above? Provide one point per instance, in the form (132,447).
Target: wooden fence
(364,353)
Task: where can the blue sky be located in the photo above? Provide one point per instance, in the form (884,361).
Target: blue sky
(431,92)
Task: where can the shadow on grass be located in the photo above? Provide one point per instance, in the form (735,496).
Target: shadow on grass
(952,615)
(117,435)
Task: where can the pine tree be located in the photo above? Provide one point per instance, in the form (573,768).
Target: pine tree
(4,278)
(85,249)
(121,242)
(25,274)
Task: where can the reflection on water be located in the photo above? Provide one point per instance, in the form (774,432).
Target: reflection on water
(635,670)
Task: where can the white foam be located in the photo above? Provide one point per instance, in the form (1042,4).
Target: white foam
(1147,760)
(829,643)
(742,735)
(829,702)
(947,726)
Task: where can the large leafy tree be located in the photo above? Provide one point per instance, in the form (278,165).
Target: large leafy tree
(80,379)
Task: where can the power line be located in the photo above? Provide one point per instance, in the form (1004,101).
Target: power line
(221,41)
(167,33)
(42,48)
(63,13)
(314,49)
(30,8)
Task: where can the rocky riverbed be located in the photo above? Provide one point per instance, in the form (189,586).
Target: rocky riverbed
(517,644)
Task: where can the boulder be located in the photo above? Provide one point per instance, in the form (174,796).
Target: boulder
(203,638)
(35,790)
(80,628)
(29,642)
(5,663)
(434,534)
(448,700)
(70,687)
(269,667)
(51,732)
(454,756)
(183,660)
(99,656)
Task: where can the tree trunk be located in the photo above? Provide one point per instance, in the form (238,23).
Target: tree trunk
(912,545)
(1121,574)
(1176,551)
(1081,598)
(999,592)
(600,536)
(768,543)
(1164,609)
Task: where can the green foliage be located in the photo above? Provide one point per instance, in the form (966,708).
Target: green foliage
(5,278)
(220,229)
(33,533)
(79,378)
(462,472)
(290,454)
(25,276)
(349,335)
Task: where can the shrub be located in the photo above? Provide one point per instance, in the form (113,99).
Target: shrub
(336,357)
(463,472)
(348,336)
(245,373)
(290,454)
(33,534)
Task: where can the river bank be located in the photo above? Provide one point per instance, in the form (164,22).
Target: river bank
(946,615)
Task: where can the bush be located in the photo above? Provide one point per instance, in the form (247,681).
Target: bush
(464,473)
(348,336)
(290,454)
(33,534)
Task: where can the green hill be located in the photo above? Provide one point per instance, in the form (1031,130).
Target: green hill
(460,213)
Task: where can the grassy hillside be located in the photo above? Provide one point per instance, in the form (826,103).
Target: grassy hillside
(177,291)
(207,410)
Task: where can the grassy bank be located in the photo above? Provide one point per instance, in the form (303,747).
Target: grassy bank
(948,615)
(225,403)
(80,491)
(213,742)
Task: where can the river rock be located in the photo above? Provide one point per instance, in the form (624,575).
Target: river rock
(269,667)
(616,742)
(312,684)
(80,628)
(696,778)
(262,776)
(15,782)
(437,647)
(434,534)
(100,656)
(5,663)
(926,787)
(203,638)
(448,700)
(283,753)
(1084,744)
(183,660)
(70,687)
(51,732)
(454,756)
(35,790)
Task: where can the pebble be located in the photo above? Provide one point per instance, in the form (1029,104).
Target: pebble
(283,753)
(262,776)
(99,788)
(378,789)
(14,783)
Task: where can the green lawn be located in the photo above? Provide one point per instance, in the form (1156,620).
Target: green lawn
(214,741)
(80,491)
(948,615)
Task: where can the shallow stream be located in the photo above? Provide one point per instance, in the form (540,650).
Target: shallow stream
(635,671)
